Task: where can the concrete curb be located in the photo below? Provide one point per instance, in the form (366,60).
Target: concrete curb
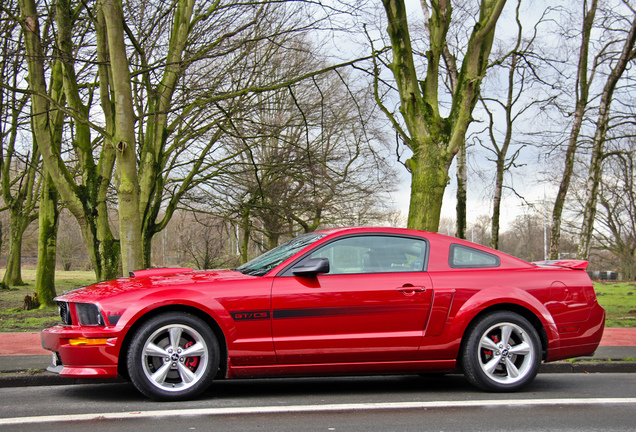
(589,367)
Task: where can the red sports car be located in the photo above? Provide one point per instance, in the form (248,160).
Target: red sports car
(335,302)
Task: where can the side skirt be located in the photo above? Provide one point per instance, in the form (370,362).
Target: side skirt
(329,369)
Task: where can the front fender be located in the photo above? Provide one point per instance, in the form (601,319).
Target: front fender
(180,297)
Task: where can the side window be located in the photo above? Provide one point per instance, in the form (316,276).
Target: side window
(467,257)
(374,254)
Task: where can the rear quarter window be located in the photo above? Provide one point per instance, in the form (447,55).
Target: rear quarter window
(466,257)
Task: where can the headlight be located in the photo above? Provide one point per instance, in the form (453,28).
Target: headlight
(88,314)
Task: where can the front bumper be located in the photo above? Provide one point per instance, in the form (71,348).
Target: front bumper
(80,352)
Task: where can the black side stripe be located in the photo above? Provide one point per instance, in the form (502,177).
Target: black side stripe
(333,311)
(322,312)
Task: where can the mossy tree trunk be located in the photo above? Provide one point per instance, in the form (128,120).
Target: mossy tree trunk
(13,274)
(246,230)
(47,243)
(127,183)
(49,210)
(18,224)
(19,193)
(462,181)
(435,140)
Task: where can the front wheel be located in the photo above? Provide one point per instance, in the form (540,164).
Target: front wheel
(502,352)
(173,356)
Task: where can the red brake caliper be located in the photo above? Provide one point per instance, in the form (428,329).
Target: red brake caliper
(495,339)
(191,362)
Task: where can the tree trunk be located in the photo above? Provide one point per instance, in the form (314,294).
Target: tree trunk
(428,182)
(47,243)
(496,205)
(502,152)
(126,183)
(462,180)
(103,248)
(272,239)
(147,236)
(17,225)
(245,241)
(559,202)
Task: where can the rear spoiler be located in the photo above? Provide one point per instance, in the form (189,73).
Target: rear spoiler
(571,264)
(158,272)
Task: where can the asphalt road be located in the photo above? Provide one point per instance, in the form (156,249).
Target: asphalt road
(566,402)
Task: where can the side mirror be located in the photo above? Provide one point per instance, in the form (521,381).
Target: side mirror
(313,267)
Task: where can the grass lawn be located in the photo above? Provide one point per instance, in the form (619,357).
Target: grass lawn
(618,299)
(14,319)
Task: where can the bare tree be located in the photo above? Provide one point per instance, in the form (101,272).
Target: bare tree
(606,36)
(302,153)
(160,104)
(584,79)
(525,238)
(616,217)
(627,55)
(20,159)
(203,238)
(515,104)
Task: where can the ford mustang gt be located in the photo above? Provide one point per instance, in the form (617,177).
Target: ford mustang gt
(335,302)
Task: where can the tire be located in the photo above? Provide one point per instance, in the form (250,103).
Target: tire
(173,356)
(502,352)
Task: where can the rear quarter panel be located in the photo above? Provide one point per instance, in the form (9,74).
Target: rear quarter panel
(557,297)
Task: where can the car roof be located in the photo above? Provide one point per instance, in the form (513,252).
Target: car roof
(507,261)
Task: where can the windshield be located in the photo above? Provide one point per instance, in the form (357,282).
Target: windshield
(262,264)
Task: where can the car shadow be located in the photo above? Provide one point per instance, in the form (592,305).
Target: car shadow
(358,388)
(284,387)
(337,386)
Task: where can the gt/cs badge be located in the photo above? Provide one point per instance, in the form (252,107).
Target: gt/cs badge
(250,315)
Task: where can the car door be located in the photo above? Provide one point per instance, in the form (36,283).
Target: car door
(372,305)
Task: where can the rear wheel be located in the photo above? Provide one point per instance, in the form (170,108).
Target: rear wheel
(502,352)
(173,356)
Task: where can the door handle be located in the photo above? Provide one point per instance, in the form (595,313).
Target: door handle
(409,289)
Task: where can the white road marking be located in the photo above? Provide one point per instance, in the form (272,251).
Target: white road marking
(311,408)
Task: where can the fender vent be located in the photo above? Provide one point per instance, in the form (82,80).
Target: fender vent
(158,272)
(65,313)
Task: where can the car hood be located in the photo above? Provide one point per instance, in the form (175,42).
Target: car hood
(146,280)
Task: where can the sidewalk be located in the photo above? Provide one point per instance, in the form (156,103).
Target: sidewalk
(22,358)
